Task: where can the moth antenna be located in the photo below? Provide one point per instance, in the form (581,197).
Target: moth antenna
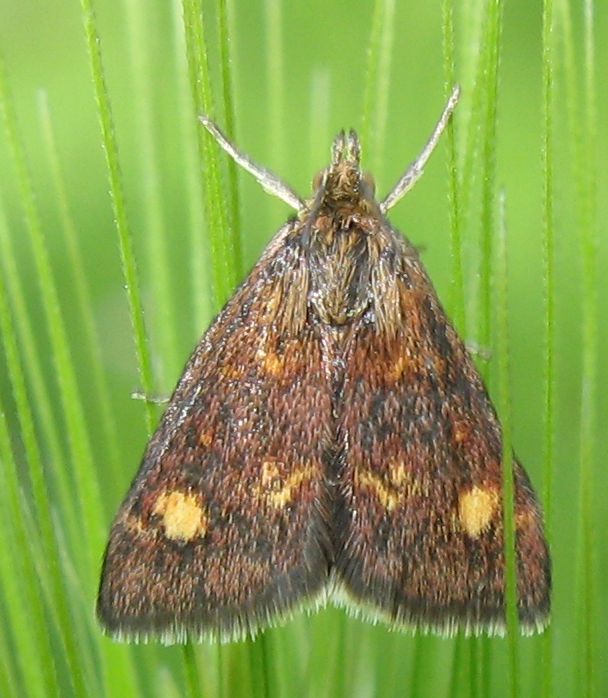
(269,181)
(416,169)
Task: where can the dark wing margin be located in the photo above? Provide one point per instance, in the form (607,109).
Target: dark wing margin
(421,500)
(223,530)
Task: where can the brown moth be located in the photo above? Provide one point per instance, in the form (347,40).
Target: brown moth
(330,440)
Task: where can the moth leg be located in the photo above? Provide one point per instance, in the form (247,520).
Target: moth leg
(416,169)
(269,181)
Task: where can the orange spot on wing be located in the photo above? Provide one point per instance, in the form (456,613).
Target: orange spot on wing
(205,439)
(399,368)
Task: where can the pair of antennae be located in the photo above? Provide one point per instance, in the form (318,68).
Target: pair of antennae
(275,186)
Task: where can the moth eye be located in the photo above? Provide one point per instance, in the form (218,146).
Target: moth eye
(317,180)
(368,183)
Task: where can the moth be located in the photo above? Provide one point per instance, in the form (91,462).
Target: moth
(330,439)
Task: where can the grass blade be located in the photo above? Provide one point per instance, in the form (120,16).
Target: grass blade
(138,40)
(230,118)
(377,81)
(125,238)
(220,239)
(549,278)
(504,379)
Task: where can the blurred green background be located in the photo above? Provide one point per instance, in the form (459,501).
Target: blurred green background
(300,72)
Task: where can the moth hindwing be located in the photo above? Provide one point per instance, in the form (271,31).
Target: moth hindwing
(330,438)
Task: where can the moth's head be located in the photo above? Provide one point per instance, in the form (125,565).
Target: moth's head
(343,179)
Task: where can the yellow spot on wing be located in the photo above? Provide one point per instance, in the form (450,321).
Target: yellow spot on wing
(388,498)
(399,474)
(183,517)
(476,507)
(271,476)
(399,486)
(279,491)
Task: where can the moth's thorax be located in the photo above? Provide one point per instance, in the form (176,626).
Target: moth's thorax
(339,268)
